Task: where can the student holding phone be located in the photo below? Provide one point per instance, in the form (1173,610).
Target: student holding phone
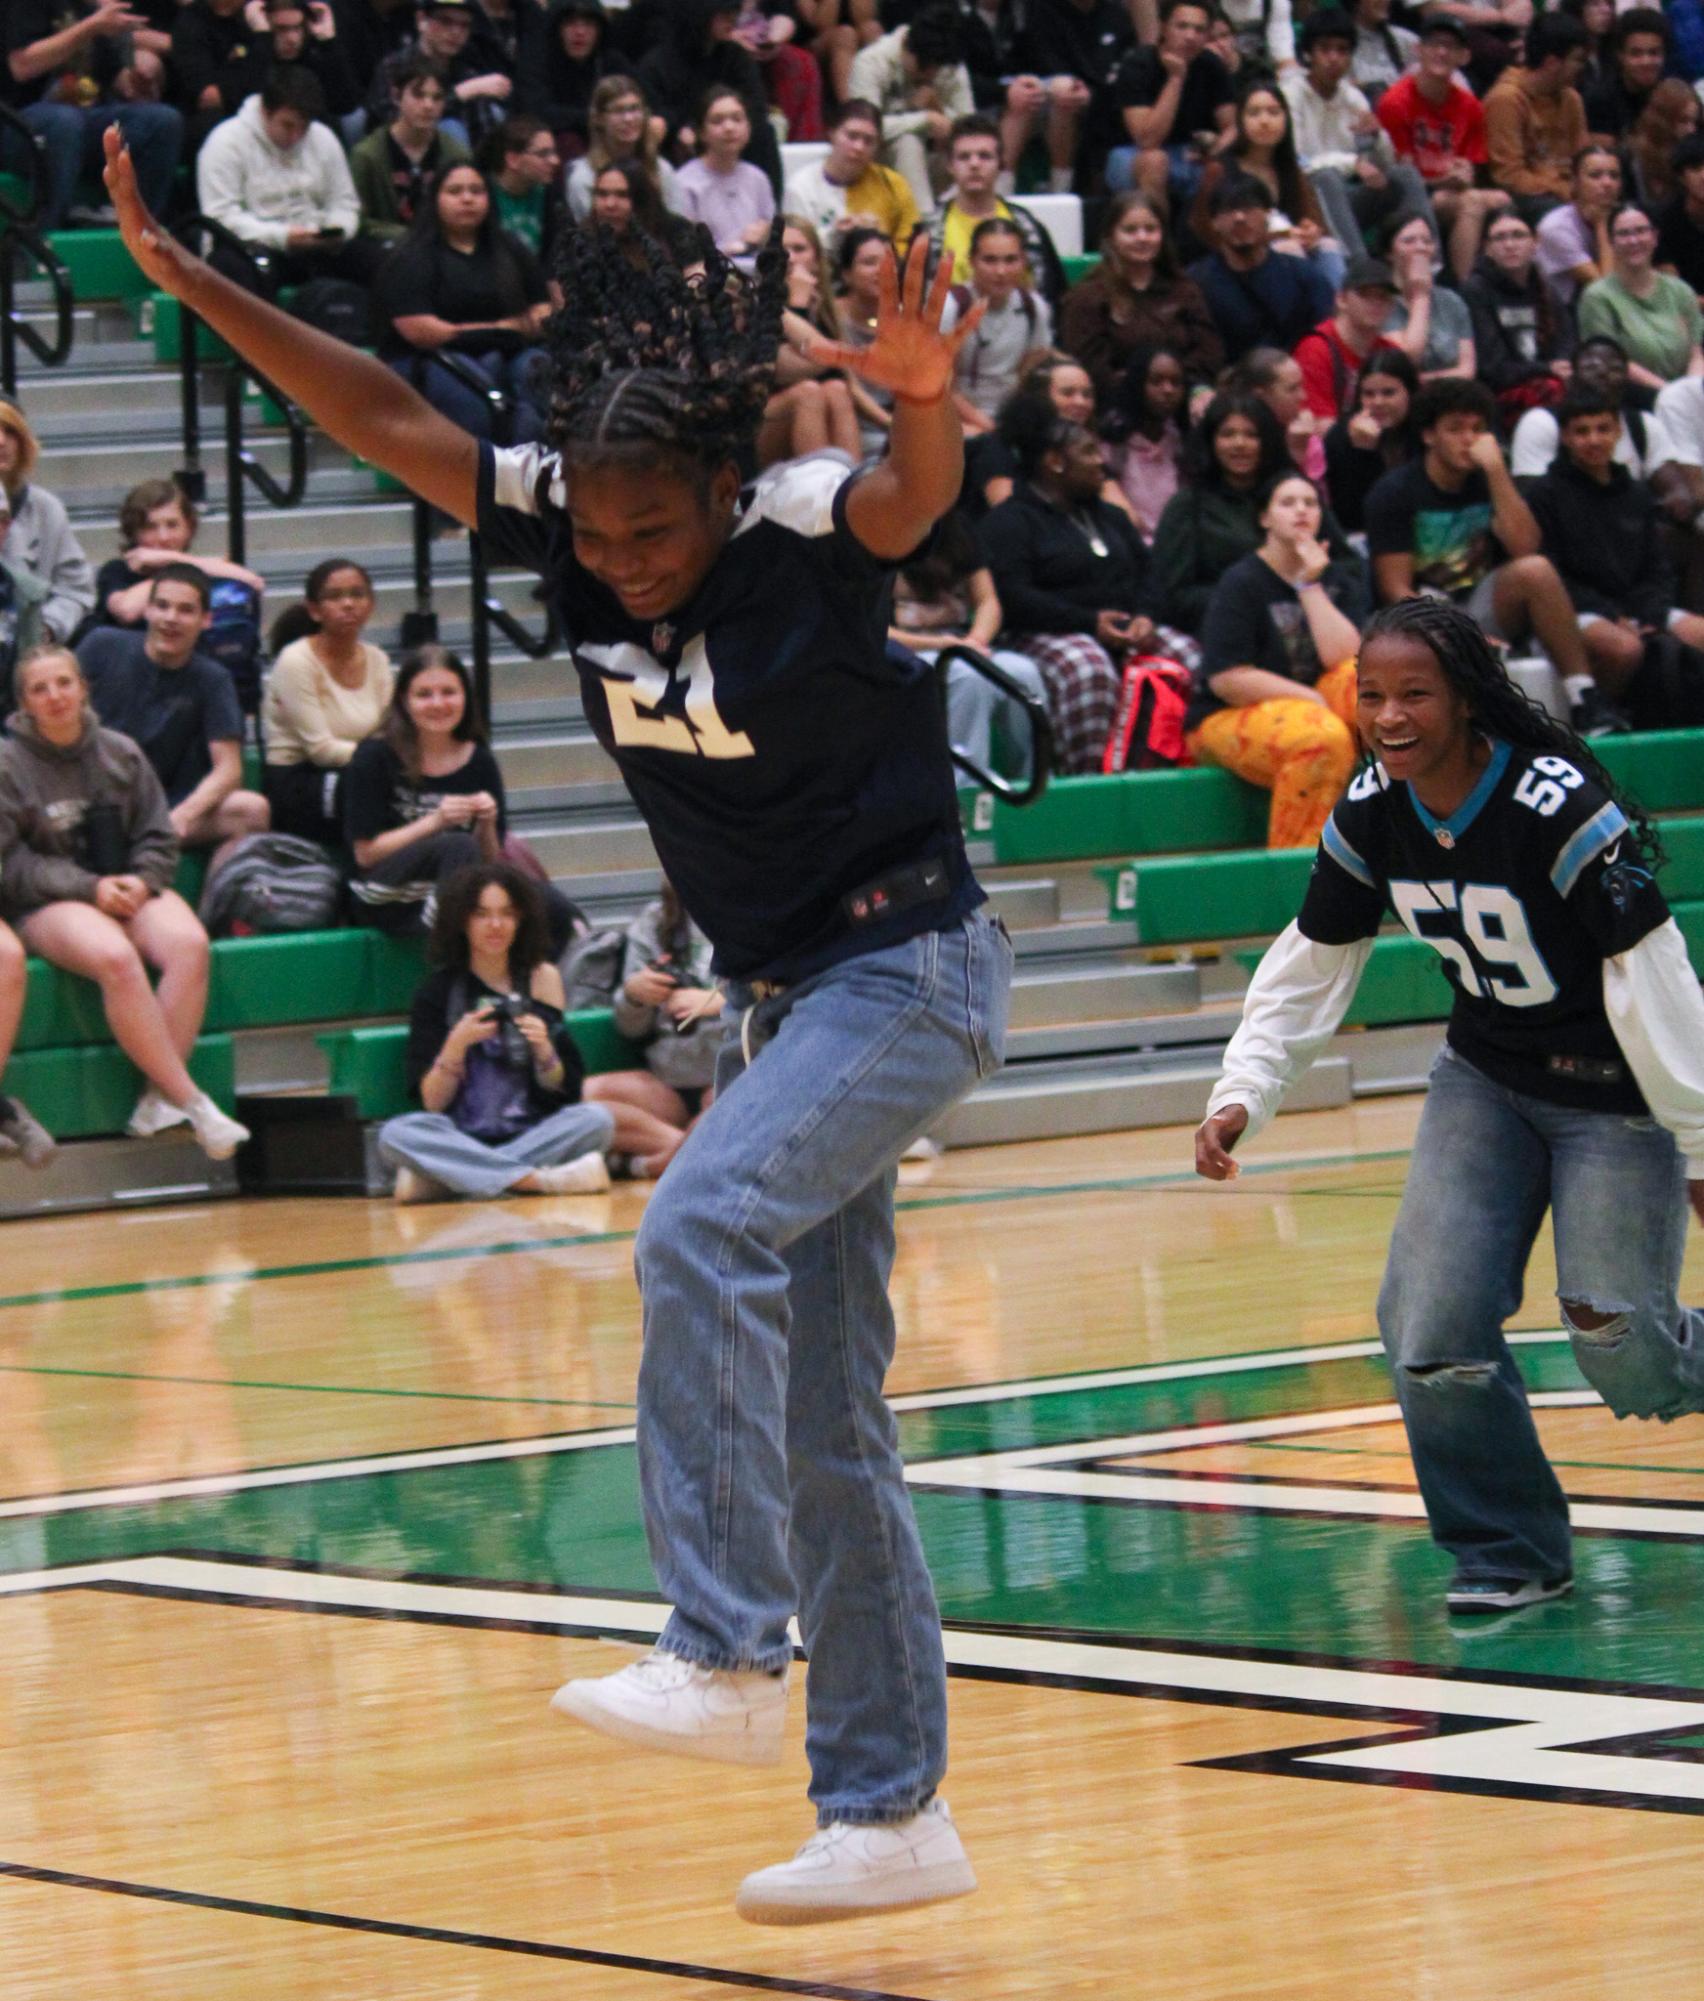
(276,176)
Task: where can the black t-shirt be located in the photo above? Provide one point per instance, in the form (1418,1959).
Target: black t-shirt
(115,574)
(439,1003)
(174,713)
(1524,892)
(461,287)
(782,760)
(1256,619)
(379,795)
(1207,90)
(24,22)
(1680,242)
(1449,535)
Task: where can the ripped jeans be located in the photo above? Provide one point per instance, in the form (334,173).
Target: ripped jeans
(1487,1163)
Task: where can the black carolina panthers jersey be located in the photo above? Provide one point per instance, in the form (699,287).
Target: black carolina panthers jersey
(1525,890)
(782,763)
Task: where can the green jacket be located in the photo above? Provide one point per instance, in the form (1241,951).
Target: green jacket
(369,163)
(29,594)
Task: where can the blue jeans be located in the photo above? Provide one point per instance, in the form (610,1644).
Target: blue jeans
(1487,1163)
(517,375)
(434,1145)
(153,132)
(1183,175)
(768,1460)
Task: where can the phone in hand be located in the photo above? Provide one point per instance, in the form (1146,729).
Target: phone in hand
(331,235)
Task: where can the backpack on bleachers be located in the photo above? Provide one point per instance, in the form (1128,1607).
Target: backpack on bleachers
(233,639)
(272,883)
(1147,731)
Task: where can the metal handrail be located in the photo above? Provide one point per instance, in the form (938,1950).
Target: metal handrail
(1041,747)
(18,231)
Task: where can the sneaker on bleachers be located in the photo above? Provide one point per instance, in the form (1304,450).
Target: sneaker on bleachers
(216,1132)
(155,1113)
(1594,714)
(35,1145)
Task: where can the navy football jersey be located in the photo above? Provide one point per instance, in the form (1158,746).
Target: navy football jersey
(1525,890)
(780,760)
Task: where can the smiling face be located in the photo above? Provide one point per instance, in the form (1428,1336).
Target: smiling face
(1384,399)
(1137,238)
(177,616)
(624,125)
(1408,715)
(1072,392)
(166,527)
(463,203)
(51,692)
(1590,441)
(1441,55)
(435,702)
(1236,448)
(649,535)
(1293,512)
(1641,61)
(1633,238)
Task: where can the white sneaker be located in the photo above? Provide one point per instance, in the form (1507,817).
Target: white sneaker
(735,1716)
(217,1134)
(589,1175)
(154,1113)
(849,1869)
(413,1186)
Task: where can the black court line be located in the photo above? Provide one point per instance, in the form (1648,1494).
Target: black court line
(579,1955)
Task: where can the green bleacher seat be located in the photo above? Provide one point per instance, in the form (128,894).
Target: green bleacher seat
(1181,899)
(82,1093)
(99,264)
(1080,266)
(1146,812)
(366,1064)
(1664,770)
(158,315)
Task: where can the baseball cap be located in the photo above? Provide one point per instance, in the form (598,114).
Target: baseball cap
(1369,274)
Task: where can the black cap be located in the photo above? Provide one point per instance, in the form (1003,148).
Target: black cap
(1369,274)
(578,10)
(1433,25)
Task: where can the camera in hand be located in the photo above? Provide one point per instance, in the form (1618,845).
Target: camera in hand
(506,1010)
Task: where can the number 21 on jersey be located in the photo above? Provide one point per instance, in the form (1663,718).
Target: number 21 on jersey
(1482,930)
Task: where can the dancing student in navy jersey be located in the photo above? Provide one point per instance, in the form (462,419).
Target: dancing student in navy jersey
(1572,1078)
(732,658)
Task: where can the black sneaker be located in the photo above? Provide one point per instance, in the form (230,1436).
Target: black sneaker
(1594,714)
(1473,1595)
(35,1144)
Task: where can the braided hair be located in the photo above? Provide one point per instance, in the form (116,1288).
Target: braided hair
(649,366)
(1497,707)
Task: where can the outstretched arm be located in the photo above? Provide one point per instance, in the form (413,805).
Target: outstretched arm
(893,507)
(358,400)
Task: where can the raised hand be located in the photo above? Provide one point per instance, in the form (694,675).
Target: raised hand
(910,355)
(161,260)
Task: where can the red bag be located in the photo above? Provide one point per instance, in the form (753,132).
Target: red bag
(1147,732)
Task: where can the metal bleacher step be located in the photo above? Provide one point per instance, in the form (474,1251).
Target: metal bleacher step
(1098,1093)
(115,1173)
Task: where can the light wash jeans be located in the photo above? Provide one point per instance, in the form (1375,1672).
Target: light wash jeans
(976,710)
(768,1460)
(1487,1163)
(434,1145)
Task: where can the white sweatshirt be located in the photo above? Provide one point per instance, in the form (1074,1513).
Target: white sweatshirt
(261,193)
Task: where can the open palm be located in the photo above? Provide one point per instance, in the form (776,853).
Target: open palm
(910,355)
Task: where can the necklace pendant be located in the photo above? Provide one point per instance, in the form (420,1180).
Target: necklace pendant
(662,636)
(1443,837)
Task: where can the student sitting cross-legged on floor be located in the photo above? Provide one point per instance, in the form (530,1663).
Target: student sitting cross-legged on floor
(491,1059)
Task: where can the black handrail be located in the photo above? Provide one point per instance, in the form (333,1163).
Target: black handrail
(1041,728)
(18,231)
(199,233)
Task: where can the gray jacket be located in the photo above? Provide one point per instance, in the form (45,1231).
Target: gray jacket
(41,542)
(29,594)
(686,1061)
(45,794)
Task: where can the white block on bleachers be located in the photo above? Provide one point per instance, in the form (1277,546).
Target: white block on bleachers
(1061,216)
(1539,681)
(798,154)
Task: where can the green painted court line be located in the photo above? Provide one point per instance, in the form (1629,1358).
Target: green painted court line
(331,1267)
(305,1389)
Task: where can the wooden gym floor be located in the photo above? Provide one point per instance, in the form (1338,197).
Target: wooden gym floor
(305,1507)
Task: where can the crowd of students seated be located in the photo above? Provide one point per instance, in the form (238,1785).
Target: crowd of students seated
(1385,298)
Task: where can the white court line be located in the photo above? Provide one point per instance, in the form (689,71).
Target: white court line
(204,1486)
(1533,1738)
